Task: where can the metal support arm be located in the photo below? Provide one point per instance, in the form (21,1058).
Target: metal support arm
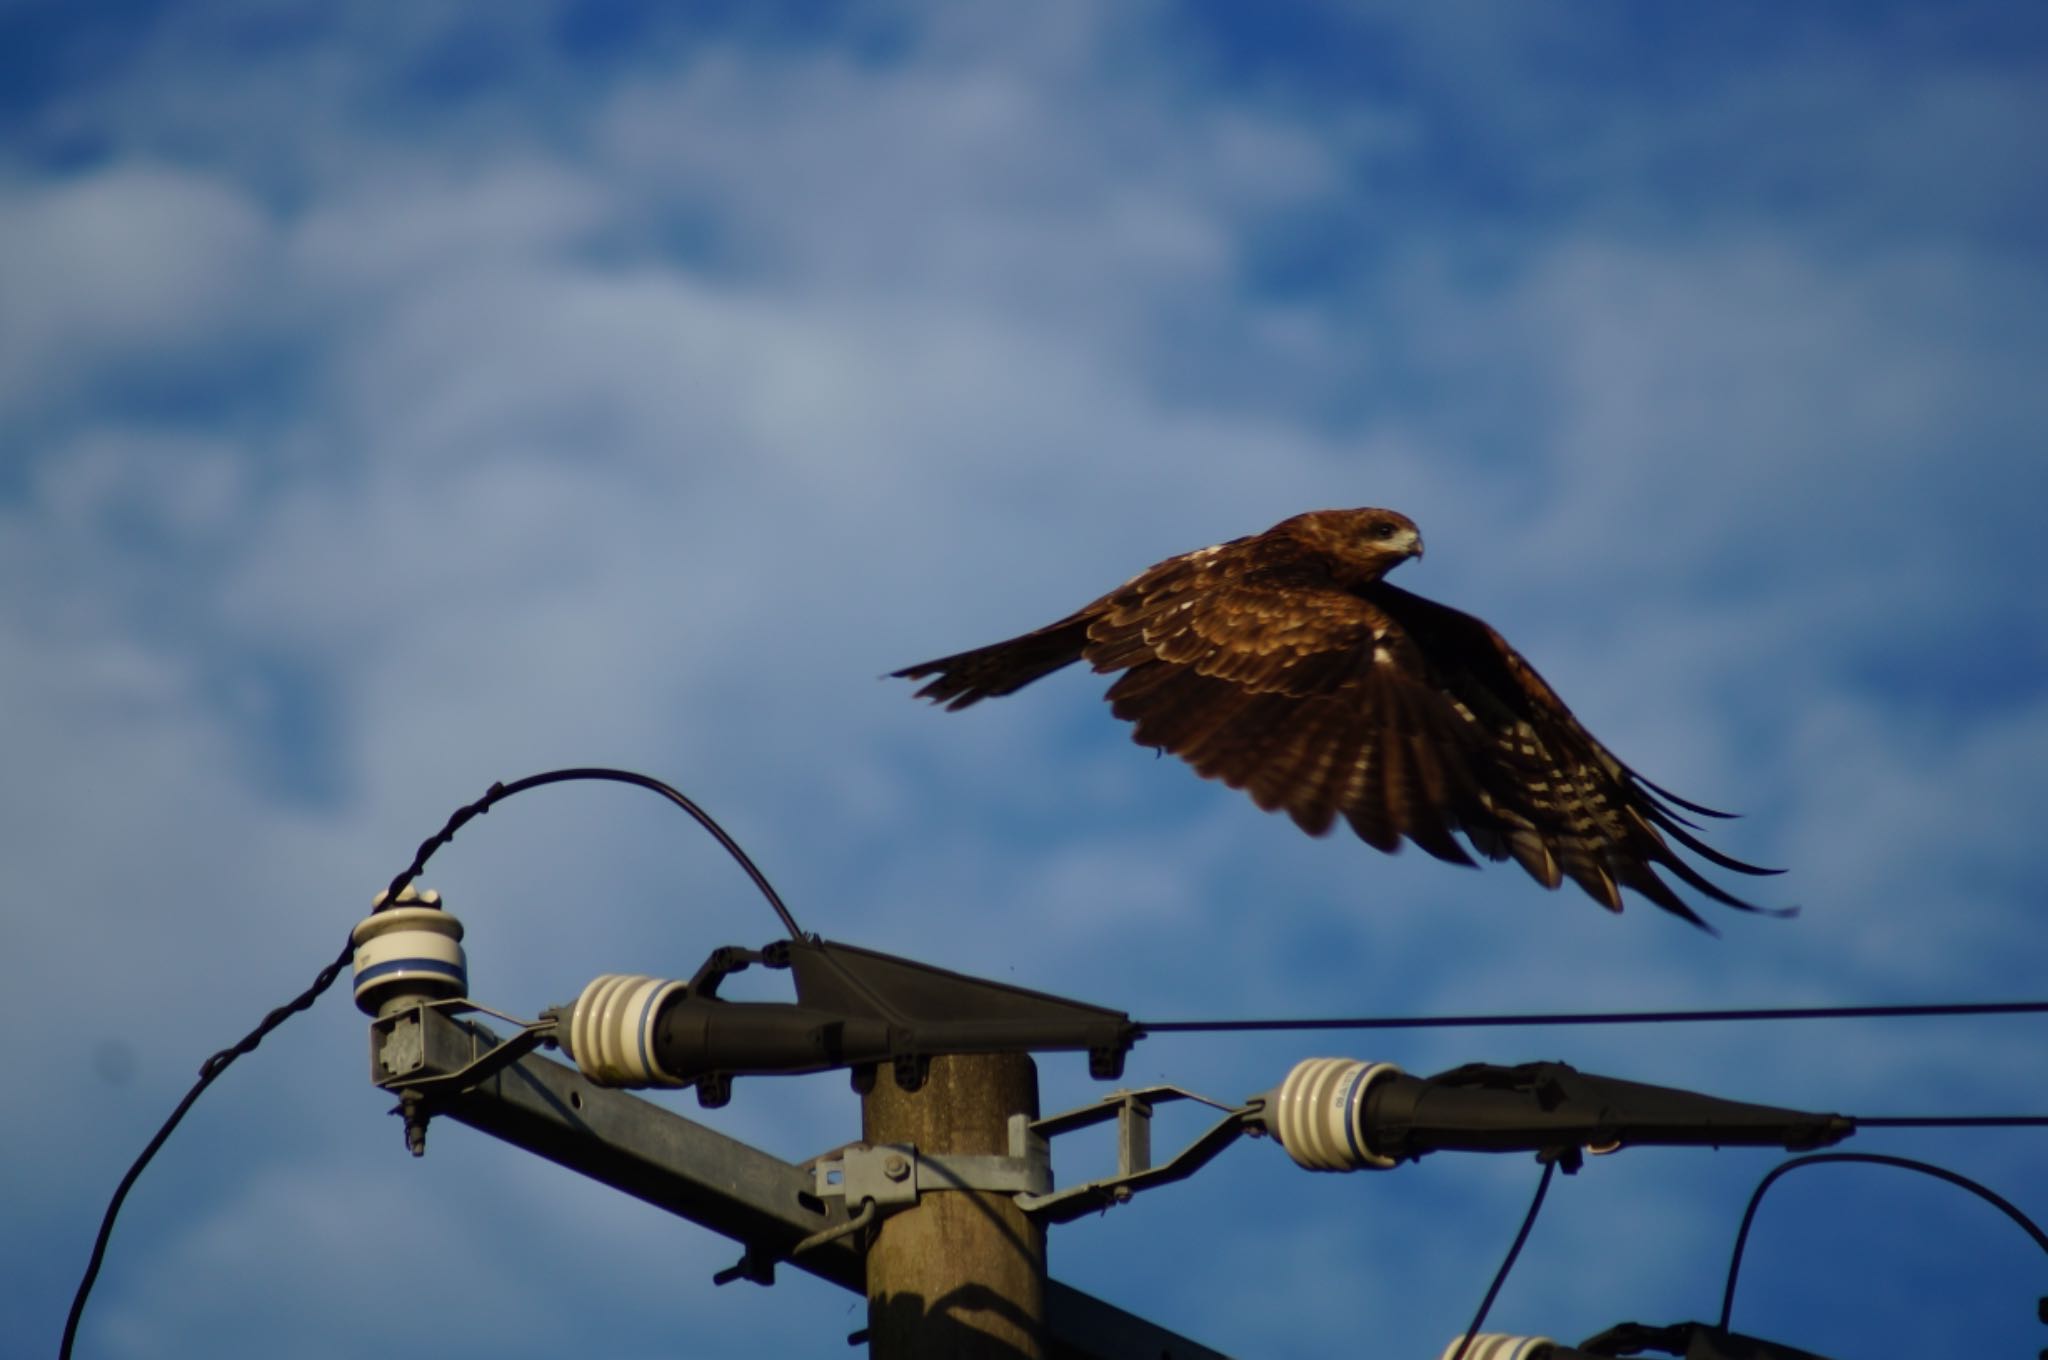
(1132,1111)
(653,1154)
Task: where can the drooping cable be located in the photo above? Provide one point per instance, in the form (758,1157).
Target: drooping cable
(208,1070)
(1955,1178)
(498,793)
(1500,1277)
(218,1063)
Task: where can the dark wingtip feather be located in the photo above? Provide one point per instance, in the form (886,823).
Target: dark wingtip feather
(1686,803)
(1708,852)
(1443,846)
(1649,884)
(1699,882)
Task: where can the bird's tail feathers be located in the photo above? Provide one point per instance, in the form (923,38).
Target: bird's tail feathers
(1002,667)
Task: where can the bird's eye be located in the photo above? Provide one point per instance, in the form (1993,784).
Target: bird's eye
(1383,528)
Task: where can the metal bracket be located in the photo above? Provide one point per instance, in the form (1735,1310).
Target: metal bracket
(455,1057)
(891,1176)
(855,1009)
(877,1180)
(401,1044)
(1132,1111)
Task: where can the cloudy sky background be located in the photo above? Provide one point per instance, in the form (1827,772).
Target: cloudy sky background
(398,398)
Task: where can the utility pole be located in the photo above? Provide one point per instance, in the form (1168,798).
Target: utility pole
(961,1274)
(940,1212)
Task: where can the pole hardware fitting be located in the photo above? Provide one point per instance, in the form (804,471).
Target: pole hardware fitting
(1346,1114)
(880,1179)
(1135,1170)
(886,1177)
(1688,1340)
(756,1266)
(459,1055)
(406,951)
(1548,1108)
(854,1008)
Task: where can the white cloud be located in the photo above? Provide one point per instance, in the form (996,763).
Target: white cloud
(139,264)
(648,424)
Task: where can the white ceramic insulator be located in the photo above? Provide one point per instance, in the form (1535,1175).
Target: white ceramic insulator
(1494,1346)
(408,954)
(611,1029)
(1318,1113)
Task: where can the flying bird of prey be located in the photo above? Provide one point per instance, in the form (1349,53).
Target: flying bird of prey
(1284,664)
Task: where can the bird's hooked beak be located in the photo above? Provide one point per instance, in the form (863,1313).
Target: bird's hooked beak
(1410,543)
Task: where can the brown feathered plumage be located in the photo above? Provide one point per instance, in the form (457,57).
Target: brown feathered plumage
(1284,665)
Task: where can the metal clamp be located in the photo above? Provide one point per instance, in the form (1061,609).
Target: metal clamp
(891,1176)
(459,1056)
(879,1179)
(426,1038)
(1135,1170)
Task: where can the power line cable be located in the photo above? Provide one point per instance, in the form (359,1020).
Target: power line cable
(1537,1019)
(208,1071)
(497,793)
(1500,1277)
(218,1063)
(1954,1178)
(1952,1121)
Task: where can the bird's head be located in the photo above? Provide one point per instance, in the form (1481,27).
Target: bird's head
(1369,540)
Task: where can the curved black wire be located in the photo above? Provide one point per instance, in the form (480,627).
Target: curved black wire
(1595,1018)
(218,1063)
(208,1070)
(1500,1277)
(1955,1178)
(497,793)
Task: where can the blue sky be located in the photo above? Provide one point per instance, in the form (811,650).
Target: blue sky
(395,399)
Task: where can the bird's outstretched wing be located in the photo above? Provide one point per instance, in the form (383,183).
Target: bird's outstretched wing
(1566,806)
(1404,717)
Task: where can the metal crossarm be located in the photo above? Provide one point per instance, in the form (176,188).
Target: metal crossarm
(768,1205)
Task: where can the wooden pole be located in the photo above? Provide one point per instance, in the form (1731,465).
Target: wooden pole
(963,1273)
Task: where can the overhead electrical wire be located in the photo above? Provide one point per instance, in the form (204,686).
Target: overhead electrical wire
(219,1062)
(208,1070)
(498,793)
(1537,1019)
(1953,1121)
(1955,1178)
(1500,1277)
